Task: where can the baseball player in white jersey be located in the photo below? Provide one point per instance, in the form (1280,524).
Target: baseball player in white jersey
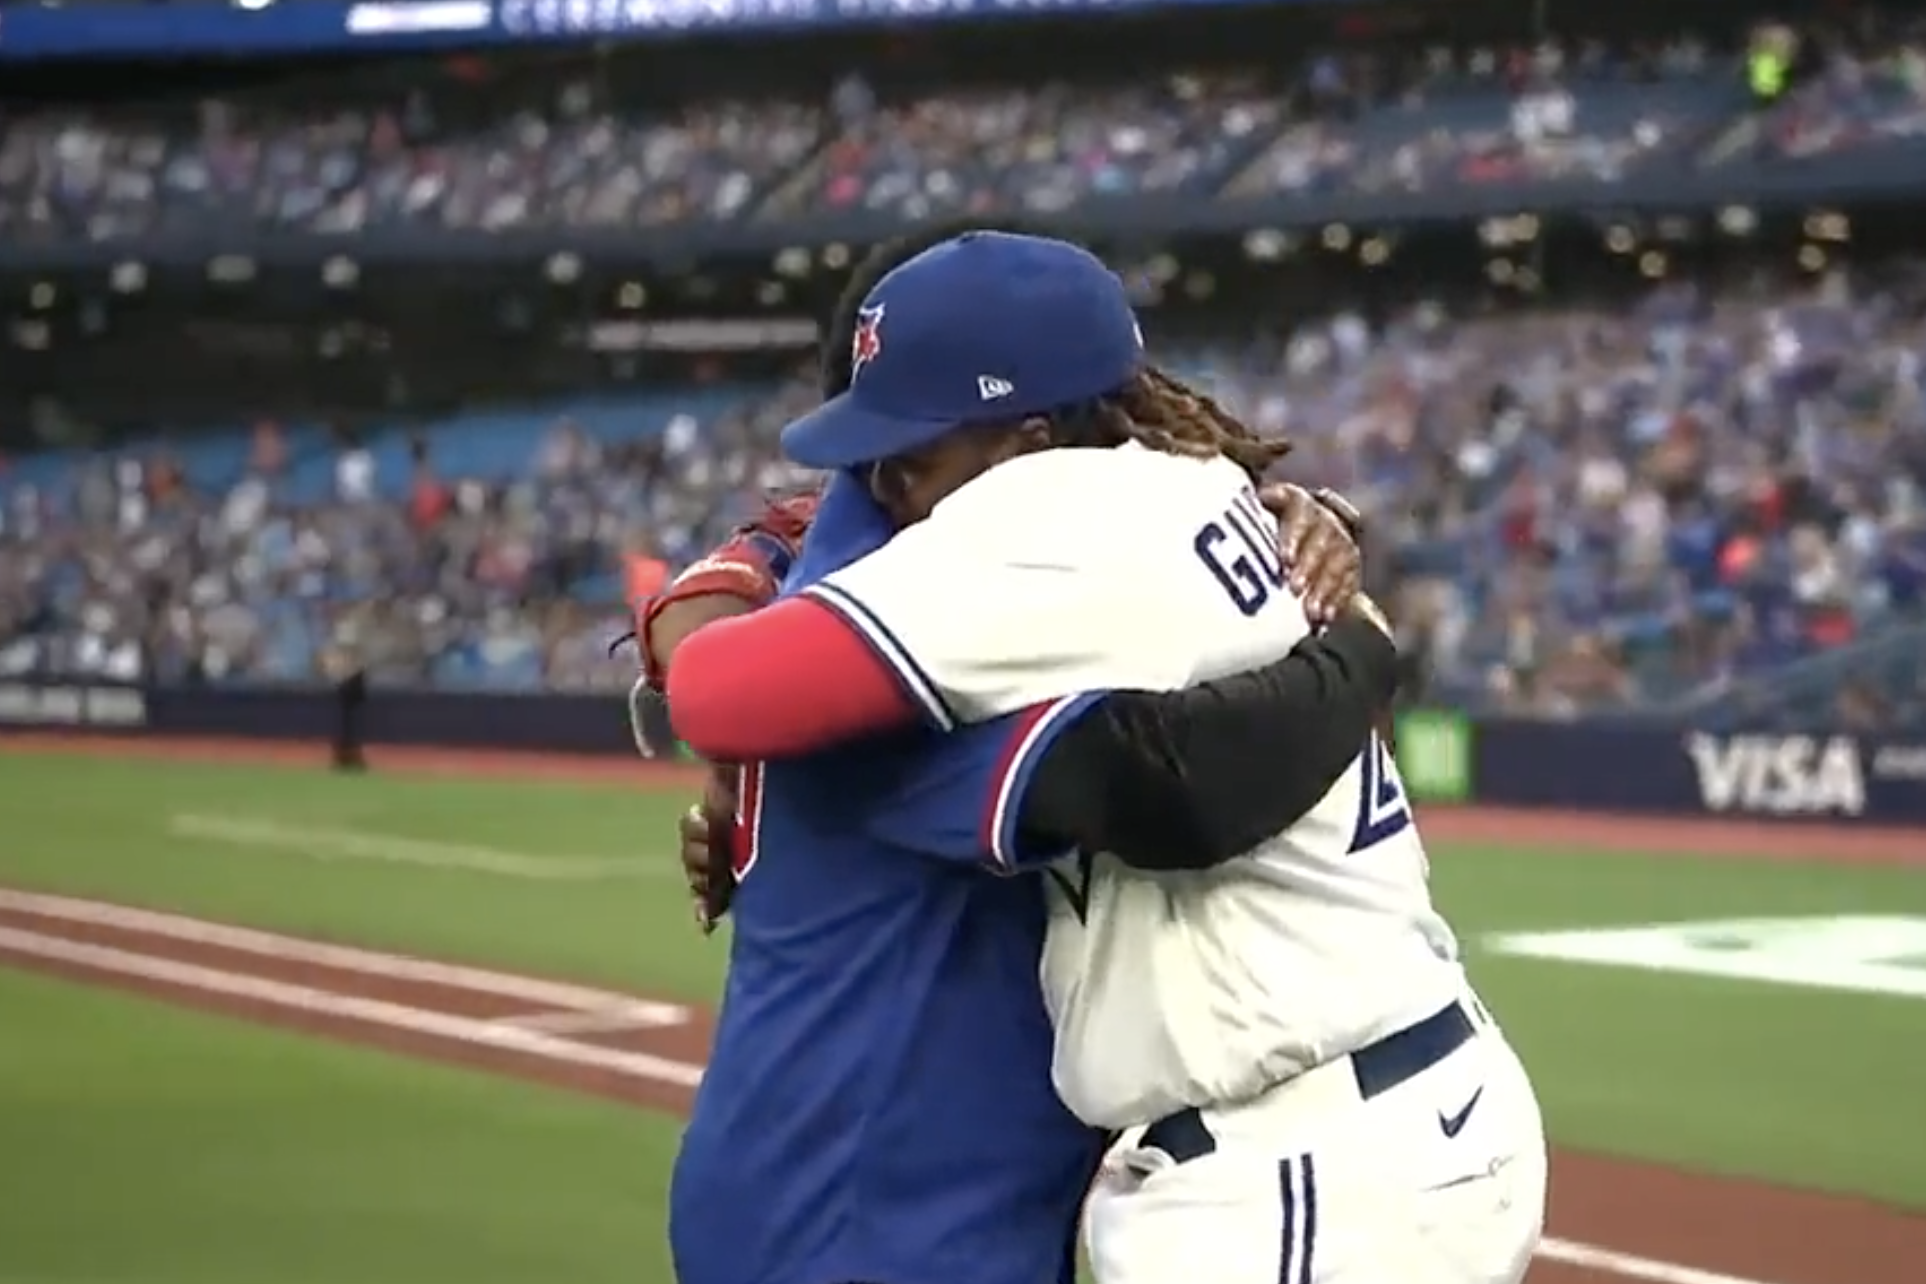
(1306,1088)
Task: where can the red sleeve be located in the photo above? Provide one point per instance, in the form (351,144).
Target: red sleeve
(782,681)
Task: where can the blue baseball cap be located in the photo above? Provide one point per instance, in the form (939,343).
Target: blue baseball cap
(987,327)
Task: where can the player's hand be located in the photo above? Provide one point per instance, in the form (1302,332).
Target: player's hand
(704,834)
(1325,566)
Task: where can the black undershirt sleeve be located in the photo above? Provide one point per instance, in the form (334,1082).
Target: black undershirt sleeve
(1189,779)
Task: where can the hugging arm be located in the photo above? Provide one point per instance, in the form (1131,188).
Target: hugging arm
(1161,780)
(805,674)
(1188,779)
(832,665)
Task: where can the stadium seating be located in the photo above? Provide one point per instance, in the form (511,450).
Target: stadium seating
(1589,508)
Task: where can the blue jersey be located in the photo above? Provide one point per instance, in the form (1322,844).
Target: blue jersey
(878,1107)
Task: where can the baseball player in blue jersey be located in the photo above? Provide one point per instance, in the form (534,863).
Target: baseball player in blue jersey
(1279,1025)
(878,1108)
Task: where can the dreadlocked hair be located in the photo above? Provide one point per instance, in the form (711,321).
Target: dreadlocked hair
(1162,412)
(885,258)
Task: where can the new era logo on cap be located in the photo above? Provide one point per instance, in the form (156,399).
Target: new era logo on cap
(1052,322)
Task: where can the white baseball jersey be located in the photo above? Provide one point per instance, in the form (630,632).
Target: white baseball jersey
(1086,570)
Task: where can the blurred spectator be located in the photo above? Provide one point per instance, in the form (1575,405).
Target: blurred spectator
(1581,507)
(512,149)
(1585,506)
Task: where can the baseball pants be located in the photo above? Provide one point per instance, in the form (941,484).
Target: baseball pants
(1439,1179)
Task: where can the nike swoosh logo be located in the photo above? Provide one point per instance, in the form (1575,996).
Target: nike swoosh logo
(1452,1125)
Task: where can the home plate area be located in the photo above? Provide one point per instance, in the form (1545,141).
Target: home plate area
(1611,1220)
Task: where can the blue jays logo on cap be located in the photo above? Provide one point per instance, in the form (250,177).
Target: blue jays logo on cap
(867,343)
(986,329)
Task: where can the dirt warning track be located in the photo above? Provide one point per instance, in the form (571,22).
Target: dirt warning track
(1612,1221)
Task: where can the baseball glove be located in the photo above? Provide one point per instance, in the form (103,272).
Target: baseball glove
(750,565)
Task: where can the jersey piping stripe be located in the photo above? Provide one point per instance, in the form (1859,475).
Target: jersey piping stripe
(1297,1189)
(890,650)
(1033,735)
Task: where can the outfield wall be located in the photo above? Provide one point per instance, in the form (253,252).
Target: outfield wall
(1444,756)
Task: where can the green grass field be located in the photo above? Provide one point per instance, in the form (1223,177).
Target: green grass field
(138,1142)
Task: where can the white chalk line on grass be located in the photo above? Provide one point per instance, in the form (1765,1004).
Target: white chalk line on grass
(474,1031)
(533,991)
(1630,1266)
(611,1020)
(520,1034)
(332,844)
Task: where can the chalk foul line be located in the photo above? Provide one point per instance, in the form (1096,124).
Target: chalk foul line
(471,1031)
(533,991)
(325,843)
(542,1034)
(1631,1266)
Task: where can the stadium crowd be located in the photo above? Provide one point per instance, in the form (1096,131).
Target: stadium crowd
(567,149)
(1588,506)
(1579,508)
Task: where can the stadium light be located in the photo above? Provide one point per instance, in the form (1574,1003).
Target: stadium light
(231,269)
(1266,245)
(1738,220)
(340,272)
(1828,225)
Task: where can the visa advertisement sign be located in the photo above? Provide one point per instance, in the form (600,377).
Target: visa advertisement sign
(1658,769)
(1779,775)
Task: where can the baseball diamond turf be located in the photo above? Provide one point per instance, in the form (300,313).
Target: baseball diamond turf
(139,1142)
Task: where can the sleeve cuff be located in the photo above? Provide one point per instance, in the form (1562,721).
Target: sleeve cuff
(916,683)
(1030,739)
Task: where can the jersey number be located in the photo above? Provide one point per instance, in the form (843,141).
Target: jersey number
(1383,810)
(745,843)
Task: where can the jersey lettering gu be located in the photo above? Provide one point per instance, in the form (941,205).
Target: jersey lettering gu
(1254,1002)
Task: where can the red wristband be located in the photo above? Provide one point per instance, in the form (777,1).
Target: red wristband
(748,566)
(734,570)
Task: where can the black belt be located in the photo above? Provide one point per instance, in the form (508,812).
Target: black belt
(1379,1067)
